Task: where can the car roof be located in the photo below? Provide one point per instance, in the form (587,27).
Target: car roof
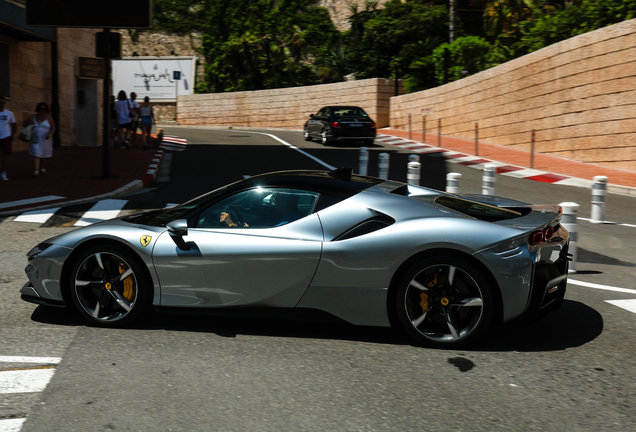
(330,182)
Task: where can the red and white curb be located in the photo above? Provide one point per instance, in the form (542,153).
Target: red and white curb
(170,144)
(479,163)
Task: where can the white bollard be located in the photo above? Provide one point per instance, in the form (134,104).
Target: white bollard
(488,179)
(364,161)
(599,189)
(568,220)
(413,173)
(452,182)
(383,167)
(414,158)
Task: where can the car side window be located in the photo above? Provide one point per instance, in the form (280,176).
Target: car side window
(259,208)
(323,113)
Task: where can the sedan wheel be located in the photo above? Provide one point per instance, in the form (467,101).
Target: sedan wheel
(109,287)
(306,134)
(444,302)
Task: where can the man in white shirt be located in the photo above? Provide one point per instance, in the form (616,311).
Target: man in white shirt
(8,128)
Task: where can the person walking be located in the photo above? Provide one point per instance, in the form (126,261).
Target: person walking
(124,114)
(134,120)
(8,129)
(147,120)
(41,146)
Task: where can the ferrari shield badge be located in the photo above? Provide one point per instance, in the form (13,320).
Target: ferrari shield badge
(145,240)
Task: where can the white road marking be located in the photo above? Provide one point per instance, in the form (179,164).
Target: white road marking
(609,223)
(102,210)
(629,305)
(24,359)
(325,164)
(601,287)
(11,425)
(37,216)
(25,381)
(30,201)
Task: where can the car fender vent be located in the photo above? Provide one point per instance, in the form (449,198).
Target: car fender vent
(368,226)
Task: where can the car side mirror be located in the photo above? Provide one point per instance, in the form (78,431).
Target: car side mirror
(311,116)
(178,227)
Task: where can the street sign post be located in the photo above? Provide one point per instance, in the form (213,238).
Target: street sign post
(176,76)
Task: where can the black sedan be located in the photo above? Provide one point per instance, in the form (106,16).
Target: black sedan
(340,123)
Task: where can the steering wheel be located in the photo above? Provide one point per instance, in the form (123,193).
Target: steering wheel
(235,214)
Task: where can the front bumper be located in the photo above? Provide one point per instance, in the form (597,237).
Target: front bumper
(29,294)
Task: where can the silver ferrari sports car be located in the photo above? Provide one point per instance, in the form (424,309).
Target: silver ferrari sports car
(373,252)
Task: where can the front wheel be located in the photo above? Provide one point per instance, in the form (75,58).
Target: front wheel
(306,134)
(324,139)
(445,302)
(109,286)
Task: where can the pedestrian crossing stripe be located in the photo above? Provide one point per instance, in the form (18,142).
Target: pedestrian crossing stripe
(629,305)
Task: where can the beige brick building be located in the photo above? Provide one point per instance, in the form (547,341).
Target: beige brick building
(37,64)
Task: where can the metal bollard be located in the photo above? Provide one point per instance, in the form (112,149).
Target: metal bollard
(452,182)
(364,161)
(599,189)
(568,220)
(383,166)
(488,179)
(413,173)
(414,158)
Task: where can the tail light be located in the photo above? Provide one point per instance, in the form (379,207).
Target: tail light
(535,238)
(335,125)
(539,236)
(373,125)
(548,232)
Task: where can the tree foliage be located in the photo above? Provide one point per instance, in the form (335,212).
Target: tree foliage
(260,44)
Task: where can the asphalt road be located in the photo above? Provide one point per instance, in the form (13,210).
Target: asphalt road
(572,371)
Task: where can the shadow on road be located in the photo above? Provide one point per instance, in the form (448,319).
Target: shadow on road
(574,325)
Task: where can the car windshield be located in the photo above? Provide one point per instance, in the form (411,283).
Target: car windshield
(162,217)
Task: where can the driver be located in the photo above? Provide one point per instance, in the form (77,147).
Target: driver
(227,220)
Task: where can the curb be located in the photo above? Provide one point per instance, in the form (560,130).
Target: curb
(477,162)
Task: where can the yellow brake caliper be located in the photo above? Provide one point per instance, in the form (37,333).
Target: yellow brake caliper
(424,296)
(128,283)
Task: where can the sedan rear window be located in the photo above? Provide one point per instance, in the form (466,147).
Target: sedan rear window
(481,211)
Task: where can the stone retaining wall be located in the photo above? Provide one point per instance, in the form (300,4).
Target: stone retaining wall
(287,107)
(578,95)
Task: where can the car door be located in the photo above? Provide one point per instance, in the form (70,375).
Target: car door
(258,262)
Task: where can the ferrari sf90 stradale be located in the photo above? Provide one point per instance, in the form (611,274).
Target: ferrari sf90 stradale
(372,252)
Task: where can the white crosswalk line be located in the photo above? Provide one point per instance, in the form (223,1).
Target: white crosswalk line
(25,381)
(11,425)
(24,359)
(37,216)
(102,210)
(629,305)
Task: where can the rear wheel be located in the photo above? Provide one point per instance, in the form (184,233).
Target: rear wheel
(109,286)
(444,302)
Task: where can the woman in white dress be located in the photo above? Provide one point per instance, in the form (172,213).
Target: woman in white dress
(41,147)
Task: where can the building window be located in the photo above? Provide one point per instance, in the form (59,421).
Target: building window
(5,79)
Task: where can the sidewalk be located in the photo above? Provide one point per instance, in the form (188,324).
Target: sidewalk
(75,174)
(619,181)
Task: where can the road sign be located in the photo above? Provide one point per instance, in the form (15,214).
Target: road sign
(89,68)
(176,75)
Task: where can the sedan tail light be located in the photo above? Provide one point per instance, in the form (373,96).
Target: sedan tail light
(335,125)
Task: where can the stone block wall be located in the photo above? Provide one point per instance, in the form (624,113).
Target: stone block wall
(578,95)
(287,107)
